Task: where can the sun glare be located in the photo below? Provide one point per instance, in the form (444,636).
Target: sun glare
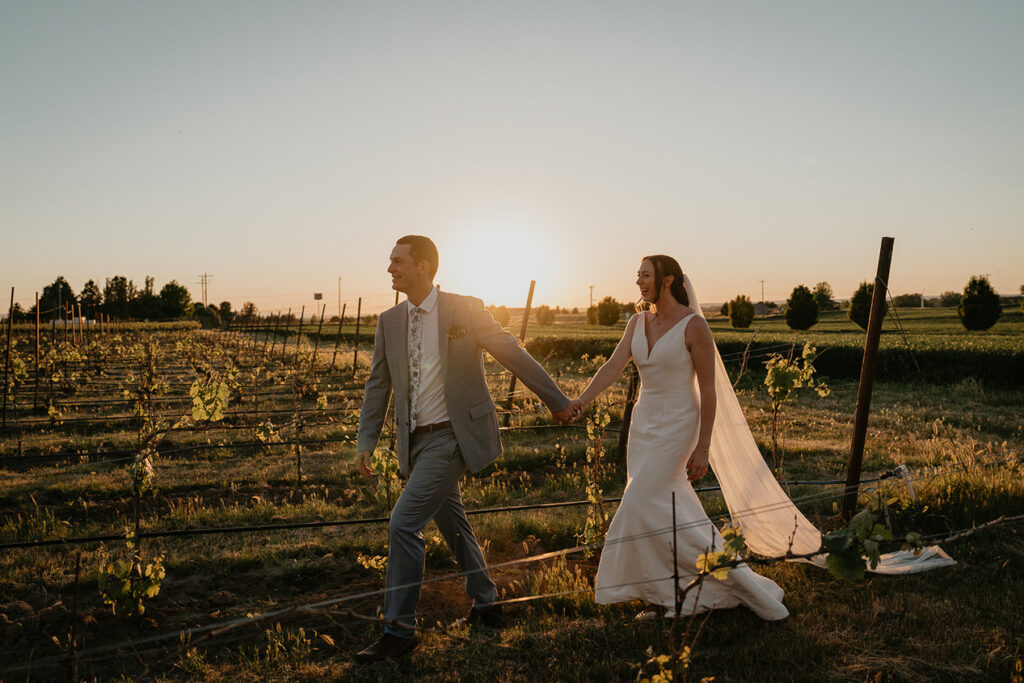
(497,262)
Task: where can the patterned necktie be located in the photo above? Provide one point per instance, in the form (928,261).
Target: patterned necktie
(415,339)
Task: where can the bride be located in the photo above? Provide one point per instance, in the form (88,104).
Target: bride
(687,417)
(670,441)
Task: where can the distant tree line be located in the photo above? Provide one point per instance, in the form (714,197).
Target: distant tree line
(978,306)
(121,299)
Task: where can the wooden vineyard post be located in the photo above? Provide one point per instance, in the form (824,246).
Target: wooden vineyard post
(64,315)
(35,393)
(522,338)
(319,329)
(337,340)
(867,377)
(355,348)
(284,342)
(81,325)
(627,412)
(7,353)
(273,335)
(298,336)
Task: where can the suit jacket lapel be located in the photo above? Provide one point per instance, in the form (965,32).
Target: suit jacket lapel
(444,321)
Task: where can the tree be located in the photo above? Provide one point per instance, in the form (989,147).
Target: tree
(146,306)
(544,315)
(117,295)
(979,306)
(249,311)
(949,299)
(801,309)
(576,311)
(56,296)
(724,310)
(609,311)
(207,316)
(740,311)
(17,314)
(860,304)
(91,298)
(908,300)
(226,314)
(501,315)
(592,315)
(823,297)
(175,299)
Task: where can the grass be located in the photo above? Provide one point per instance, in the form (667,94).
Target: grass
(947,624)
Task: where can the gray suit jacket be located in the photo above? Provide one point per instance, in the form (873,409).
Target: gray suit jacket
(464,329)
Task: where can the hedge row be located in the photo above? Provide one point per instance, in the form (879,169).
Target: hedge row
(938,366)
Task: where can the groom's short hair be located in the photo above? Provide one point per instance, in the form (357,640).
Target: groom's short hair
(422,249)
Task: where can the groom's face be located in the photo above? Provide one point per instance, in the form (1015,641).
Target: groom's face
(406,273)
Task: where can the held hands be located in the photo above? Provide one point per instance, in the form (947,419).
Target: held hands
(570,413)
(363,464)
(697,466)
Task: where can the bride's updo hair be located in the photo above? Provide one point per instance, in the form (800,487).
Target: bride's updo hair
(665,265)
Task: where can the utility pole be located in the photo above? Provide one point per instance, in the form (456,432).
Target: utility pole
(339,297)
(204,280)
(764,311)
(591,296)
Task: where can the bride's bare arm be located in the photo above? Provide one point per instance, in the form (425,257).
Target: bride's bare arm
(702,351)
(612,368)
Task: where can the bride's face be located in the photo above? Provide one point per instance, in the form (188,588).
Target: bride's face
(645,281)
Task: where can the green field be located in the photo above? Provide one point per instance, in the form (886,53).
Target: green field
(961,438)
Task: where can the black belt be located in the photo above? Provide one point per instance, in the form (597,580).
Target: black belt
(426,429)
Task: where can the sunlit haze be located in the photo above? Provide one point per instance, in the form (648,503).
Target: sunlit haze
(282,146)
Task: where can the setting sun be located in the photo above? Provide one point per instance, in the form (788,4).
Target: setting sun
(496,262)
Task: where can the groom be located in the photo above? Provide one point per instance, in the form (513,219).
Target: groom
(428,349)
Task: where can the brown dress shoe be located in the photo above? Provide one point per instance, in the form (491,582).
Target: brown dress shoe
(388,647)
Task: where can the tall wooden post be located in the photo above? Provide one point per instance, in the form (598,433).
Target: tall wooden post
(337,340)
(273,335)
(284,342)
(35,393)
(316,346)
(298,336)
(355,349)
(7,354)
(81,325)
(522,338)
(867,377)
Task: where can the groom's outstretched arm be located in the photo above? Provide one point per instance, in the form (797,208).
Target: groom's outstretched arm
(506,350)
(376,395)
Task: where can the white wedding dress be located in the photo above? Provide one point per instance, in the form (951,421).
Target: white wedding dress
(636,563)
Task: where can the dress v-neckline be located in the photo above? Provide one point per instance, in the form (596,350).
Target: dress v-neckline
(650,347)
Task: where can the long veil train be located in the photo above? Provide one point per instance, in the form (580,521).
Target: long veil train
(771,523)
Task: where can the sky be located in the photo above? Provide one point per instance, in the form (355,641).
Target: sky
(280,146)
